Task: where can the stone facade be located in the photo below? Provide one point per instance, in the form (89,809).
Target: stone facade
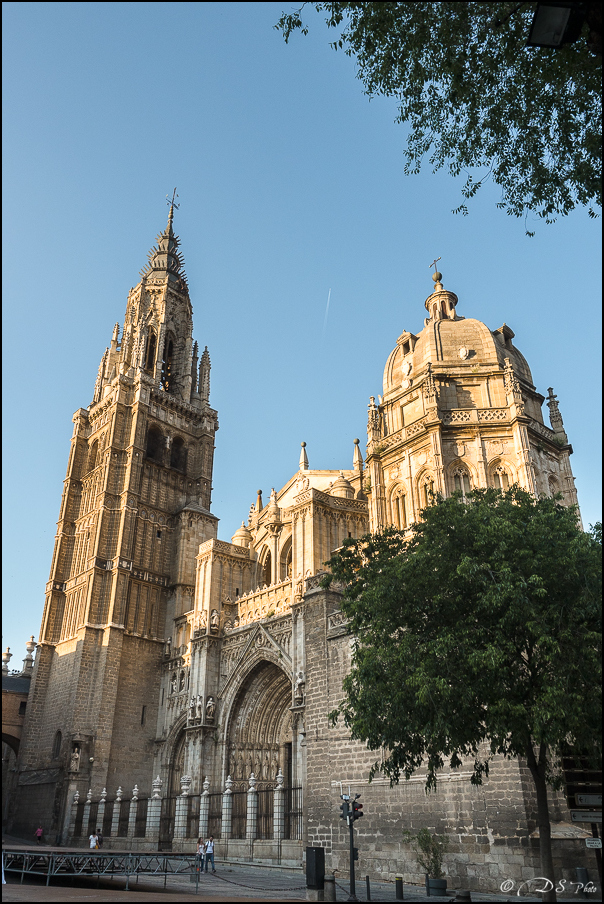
(198,674)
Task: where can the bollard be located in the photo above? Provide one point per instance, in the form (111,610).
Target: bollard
(329,888)
(368,888)
(398,884)
(583,878)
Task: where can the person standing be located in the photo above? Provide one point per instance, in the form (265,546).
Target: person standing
(100,838)
(94,840)
(38,833)
(201,852)
(210,853)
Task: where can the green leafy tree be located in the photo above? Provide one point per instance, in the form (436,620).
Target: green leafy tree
(478,100)
(479,635)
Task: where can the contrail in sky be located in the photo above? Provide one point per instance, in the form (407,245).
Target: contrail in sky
(326,313)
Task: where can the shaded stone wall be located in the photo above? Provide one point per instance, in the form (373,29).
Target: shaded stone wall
(488,827)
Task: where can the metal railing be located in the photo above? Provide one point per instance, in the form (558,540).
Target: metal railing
(264,823)
(239,815)
(293,813)
(215,815)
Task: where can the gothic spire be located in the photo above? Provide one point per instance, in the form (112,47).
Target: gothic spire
(165,259)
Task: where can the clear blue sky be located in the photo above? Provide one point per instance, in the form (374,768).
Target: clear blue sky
(291,183)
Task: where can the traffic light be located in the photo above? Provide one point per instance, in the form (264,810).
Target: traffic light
(344,811)
(357,810)
(355,853)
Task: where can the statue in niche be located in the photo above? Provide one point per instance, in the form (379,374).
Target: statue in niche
(74,762)
(214,621)
(199,707)
(181,682)
(299,689)
(192,709)
(210,709)
(203,619)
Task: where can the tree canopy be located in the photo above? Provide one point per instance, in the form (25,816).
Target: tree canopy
(478,100)
(479,635)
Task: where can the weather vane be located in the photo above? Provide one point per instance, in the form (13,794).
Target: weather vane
(433,264)
(172,203)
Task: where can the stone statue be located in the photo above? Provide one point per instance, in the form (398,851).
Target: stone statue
(210,709)
(214,621)
(181,682)
(299,689)
(74,763)
(192,709)
(199,707)
(173,684)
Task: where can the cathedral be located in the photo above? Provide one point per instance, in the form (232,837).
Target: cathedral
(182,683)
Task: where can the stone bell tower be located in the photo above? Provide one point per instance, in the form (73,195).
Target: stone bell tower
(135,507)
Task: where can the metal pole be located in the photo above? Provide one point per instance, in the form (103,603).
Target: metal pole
(368,888)
(352,896)
(595,833)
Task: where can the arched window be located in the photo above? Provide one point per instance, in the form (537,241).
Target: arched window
(56,745)
(286,560)
(150,351)
(92,455)
(500,478)
(178,454)
(155,443)
(461,481)
(266,570)
(166,367)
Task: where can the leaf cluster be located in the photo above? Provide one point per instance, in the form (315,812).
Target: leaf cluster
(429,851)
(478,99)
(480,635)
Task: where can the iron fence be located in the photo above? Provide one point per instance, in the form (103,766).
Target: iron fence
(239,815)
(166,823)
(140,822)
(92,818)
(264,824)
(122,826)
(215,815)
(107,818)
(193,816)
(293,813)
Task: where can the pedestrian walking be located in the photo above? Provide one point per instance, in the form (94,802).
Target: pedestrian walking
(100,838)
(39,832)
(209,852)
(94,840)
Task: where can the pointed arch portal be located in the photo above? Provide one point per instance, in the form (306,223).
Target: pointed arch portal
(260,728)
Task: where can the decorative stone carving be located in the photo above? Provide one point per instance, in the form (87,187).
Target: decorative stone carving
(135,793)
(104,794)
(76,797)
(118,795)
(185,785)
(74,762)
(252,782)
(214,621)
(199,707)
(464,352)
(89,796)
(210,710)
(299,689)
(156,788)
(280,779)
(228,785)
(206,786)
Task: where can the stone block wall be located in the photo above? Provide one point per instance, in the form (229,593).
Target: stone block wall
(488,827)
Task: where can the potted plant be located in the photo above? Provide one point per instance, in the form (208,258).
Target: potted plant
(429,853)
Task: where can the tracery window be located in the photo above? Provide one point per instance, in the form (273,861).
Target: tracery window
(461,481)
(501,478)
(178,454)
(155,444)
(92,455)
(166,367)
(150,351)
(553,485)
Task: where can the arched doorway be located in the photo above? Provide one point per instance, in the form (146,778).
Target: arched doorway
(260,734)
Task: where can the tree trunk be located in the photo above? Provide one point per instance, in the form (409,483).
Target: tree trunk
(545,831)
